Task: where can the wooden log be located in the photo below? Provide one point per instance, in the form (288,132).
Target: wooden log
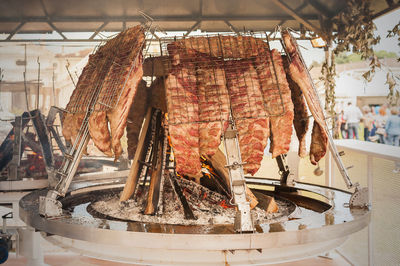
(154,188)
(133,176)
(218,162)
(187,211)
(266,202)
(153,194)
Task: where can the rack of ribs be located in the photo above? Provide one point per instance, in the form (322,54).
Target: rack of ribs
(113,74)
(182,103)
(277,98)
(213,105)
(248,112)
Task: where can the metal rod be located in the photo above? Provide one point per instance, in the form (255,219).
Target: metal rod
(69,73)
(331,142)
(38,86)
(53,88)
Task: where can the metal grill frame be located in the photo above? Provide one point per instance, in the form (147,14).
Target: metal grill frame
(91,92)
(221,62)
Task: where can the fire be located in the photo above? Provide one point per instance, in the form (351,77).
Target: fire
(205,164)
(204,195)
(224,205)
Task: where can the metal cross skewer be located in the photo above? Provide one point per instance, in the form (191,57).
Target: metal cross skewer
(359,193)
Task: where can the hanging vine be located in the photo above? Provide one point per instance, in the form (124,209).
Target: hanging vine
(328,72)
(355,32)
(393,80)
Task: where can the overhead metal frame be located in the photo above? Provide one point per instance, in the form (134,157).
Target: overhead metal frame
(191,16)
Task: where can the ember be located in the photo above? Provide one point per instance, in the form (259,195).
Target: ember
(213,209)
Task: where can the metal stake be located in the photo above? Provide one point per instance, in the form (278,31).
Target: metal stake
(243,219)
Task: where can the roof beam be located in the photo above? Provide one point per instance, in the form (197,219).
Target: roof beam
(56,29)
(321,8)
(84,40)
(98,30)
(192,28)
(299,8)
(389,2)
(156,18)
(231,27)
(15,31)
(299,18)
(386,10)
(50,22)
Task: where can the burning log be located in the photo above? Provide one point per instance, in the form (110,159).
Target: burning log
(218,162)
(199,196)
(178,191)
(133,176)
(156,169)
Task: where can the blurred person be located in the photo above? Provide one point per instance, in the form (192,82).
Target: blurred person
(368,120)
(342,125)
(392,128)
(380,121)
(392,135)
(353,116)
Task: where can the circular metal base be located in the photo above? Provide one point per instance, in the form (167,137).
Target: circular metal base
(24,184)
(321,224)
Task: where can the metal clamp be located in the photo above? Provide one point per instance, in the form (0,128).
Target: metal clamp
(360,198)
(243,218)
(49,206)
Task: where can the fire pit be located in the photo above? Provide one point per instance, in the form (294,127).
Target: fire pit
(320,223)
(214,209)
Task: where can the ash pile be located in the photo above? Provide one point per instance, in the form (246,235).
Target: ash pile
(202,207)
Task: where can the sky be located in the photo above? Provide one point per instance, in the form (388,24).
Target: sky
(383,25)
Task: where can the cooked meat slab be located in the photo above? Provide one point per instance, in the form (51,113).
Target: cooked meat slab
(248,112)
(301,118)
(297,71)
(213,105)
(183,113)
(110,80)
(277,98)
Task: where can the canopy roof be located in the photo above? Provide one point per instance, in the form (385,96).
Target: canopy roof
(48,16)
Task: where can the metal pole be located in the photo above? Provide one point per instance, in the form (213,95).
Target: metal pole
(38,86)
(25,87)
(1,80)
(371,224)
(328,168)
(54,90)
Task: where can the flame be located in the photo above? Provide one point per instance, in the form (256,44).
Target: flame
(206,164)
(204,196)
(224,205)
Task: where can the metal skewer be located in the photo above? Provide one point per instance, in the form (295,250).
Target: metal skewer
(359,193)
